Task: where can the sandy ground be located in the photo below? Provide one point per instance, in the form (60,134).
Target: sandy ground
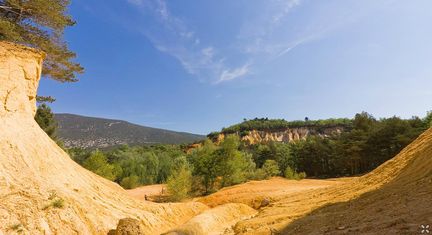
(249,193)
(253,192)
(149,190)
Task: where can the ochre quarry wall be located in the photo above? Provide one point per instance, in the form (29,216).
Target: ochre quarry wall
(286,136)
(35,172)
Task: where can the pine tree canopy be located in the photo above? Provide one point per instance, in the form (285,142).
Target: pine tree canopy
(40,24)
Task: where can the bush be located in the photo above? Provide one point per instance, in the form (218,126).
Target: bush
(259,174)
(289,173)
(270,168)
(179,184)
(301,175)
(98,163)
(130,182)
(58,203)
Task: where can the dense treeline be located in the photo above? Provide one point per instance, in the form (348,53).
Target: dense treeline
(133,166)
(367,144)
(265,124)
(210,167)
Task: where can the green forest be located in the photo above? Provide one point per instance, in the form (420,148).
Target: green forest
(367,143)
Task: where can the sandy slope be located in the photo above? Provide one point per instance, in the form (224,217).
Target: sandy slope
(218,220)
(33,167)
(396,198)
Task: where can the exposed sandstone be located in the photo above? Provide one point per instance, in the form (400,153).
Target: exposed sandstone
(286,136)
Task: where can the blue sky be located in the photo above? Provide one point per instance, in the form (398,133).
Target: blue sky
(198,66)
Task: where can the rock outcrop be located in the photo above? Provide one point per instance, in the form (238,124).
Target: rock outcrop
(287,135)
(42,191)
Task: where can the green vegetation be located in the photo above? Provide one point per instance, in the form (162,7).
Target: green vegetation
(130,182)
(41,24)
(428,119)
(291,174)
(179,184)
(132,166)
(16,227)
(98,163)
(366,144)
(271,168)
(55,201)
(45,118)
(214,167)
(58,203)
(370,143)
(265,124)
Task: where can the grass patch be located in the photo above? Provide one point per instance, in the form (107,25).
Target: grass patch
(55,201)
(16,227)
(58,203)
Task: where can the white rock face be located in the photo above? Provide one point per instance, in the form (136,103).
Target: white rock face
(34,171)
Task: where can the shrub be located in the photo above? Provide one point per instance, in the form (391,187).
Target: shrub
(58,203)
(270,168)
(301,175)
(179,184)
(16,227)
(130,182)
(289,173)
(259,174)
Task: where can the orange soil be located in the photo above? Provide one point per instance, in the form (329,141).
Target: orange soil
(149,190)
(253,192)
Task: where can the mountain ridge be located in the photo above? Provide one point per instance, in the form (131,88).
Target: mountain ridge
(95,132)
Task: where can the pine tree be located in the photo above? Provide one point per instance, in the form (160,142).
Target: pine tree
(40,24)
(45,118)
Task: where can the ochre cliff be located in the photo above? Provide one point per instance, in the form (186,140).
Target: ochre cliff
(287,135)
(35,172)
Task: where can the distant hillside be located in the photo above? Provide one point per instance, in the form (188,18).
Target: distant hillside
(90,132)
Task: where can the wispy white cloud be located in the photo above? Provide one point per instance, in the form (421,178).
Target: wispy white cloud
(271,31)
(174,37)
(228,75)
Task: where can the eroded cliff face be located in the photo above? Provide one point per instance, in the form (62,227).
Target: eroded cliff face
(35,173)
(20,70)
(286,136)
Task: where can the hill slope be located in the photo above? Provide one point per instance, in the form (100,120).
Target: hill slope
(90,132)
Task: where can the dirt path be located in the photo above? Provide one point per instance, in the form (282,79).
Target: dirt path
(149,190)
